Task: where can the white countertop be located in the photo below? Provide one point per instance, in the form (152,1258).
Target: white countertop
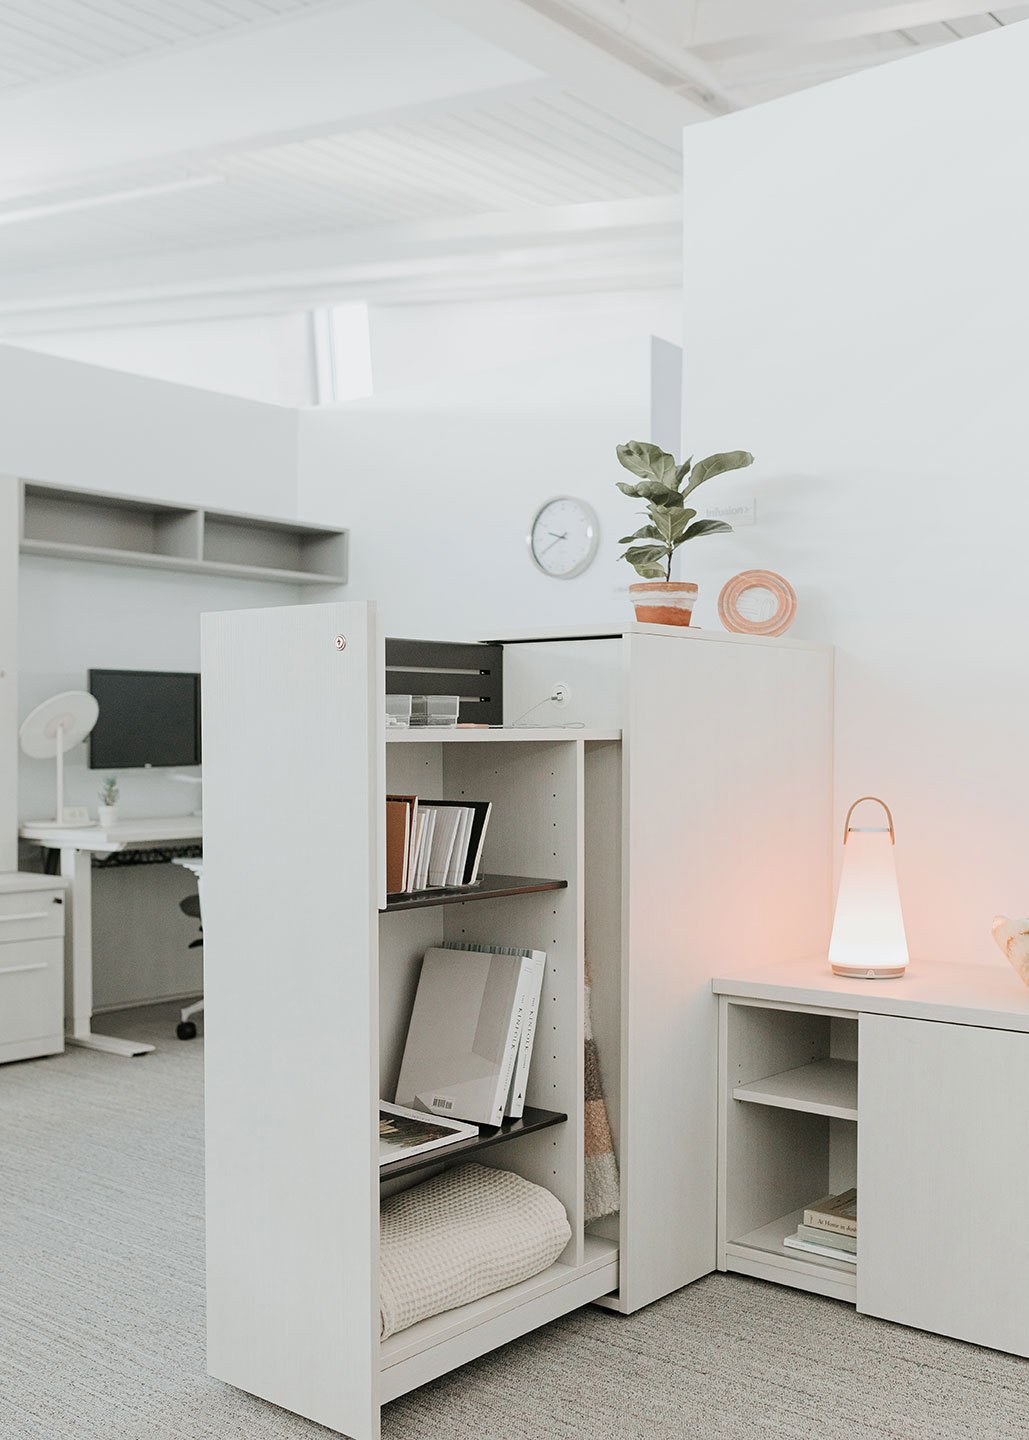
(122,835)
(988,995)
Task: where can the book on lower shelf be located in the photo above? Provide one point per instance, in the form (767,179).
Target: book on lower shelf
(828,1228)
(469,1041)
(834,1213)
(404,1133)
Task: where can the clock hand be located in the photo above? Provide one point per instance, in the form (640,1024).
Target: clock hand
(557,536)
(553,543)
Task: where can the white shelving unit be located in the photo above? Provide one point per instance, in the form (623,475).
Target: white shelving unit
(77,524)
(913,1090)
(654,868)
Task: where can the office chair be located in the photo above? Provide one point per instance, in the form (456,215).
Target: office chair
(192,906)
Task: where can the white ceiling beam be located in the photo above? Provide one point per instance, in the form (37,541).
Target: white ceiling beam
(578,64)
(320,71)
(612,241)
(854,24)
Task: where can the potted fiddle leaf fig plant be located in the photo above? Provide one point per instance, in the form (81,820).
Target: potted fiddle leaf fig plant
(664,486)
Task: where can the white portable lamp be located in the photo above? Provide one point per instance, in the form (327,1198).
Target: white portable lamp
(868,940)
(52,728)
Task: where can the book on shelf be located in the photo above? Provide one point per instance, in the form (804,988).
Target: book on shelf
(404,1133)
(529,1001)
(827,1252)
(465,1034)
(835,1241)
(834,1212)
(398,842)
(437,845)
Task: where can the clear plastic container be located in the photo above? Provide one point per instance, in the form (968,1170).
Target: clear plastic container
(398,711)
(435,710)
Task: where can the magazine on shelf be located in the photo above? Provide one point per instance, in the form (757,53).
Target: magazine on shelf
(465,1032)
(532,990)
(828,1252)
(404,1133)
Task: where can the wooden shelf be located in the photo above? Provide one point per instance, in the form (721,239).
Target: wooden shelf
(824,1087)
(489,887)
(531,1121)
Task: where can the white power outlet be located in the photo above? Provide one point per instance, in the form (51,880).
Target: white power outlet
(561,694)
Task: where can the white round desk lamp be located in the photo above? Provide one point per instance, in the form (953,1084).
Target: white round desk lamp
(54,727)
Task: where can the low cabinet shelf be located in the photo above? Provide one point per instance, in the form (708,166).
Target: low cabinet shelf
(911,1090)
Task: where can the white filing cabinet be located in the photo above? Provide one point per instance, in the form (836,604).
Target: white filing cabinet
(31,966)
(915,1091)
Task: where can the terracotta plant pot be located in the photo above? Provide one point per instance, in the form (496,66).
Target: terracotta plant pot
(664,602)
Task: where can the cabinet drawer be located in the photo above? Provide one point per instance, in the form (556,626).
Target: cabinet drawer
(31,916)
(31,990)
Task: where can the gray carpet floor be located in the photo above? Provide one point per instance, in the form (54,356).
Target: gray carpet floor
(102,1326)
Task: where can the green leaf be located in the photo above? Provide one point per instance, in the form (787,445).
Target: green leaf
(707,527)
(658,494)
(683,470)
(647,532)
(680,520)
(647,461)
(628,489)
(717,465)
(645,554)
(650,572)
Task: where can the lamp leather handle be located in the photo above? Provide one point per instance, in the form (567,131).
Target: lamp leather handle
(875,799)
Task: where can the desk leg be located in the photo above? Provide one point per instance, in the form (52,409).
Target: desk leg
(77,868)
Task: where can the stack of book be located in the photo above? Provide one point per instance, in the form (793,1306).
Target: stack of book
(433,844)
(829,1228)
(469,1043)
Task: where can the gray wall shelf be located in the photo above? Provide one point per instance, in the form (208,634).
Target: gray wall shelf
(113,529)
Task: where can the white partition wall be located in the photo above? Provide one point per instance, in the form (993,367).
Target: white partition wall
(9,493)
(855,314)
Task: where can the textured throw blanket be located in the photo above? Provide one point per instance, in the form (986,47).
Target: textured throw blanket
(602,1192)
(462,1235)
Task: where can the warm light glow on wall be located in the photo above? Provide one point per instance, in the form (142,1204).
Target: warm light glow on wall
(868,939)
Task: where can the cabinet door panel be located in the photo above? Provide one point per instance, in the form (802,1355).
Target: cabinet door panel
(943,1179)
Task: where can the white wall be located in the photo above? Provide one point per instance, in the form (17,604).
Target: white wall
(439,484)
(855,313)
(78,424)
(269,358)
(418,344)
(74,424)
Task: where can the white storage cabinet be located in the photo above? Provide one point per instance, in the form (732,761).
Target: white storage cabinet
(31,966)
(645,825)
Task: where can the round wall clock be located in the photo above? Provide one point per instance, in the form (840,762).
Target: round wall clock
(564,537)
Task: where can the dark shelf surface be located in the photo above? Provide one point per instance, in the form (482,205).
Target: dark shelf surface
(488,887)
(462,1150)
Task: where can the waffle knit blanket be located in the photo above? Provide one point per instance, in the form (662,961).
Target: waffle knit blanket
(602,1191)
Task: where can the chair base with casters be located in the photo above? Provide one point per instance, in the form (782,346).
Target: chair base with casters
(186,1028)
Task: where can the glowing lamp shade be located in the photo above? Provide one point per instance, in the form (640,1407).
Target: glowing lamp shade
(868,940)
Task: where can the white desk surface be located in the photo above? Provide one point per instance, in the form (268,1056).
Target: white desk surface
(988,994)
(19,883)
(122,835)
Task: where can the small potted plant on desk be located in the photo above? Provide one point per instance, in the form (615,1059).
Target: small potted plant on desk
(664,486)
(107,810)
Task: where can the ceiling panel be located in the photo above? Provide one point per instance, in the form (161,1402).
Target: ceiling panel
(52,39)
(544,150)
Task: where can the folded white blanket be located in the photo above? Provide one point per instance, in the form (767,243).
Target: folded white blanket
(464,1234)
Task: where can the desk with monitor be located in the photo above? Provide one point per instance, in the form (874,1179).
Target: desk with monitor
(147,719)
(76,847)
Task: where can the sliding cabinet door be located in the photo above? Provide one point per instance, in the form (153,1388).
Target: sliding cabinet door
(943,1179)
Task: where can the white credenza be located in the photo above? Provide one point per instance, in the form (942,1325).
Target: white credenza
(916,1091)
(31,966)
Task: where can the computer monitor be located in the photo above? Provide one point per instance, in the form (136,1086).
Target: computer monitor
(147,717)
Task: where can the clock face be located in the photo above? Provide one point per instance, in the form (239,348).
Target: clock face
(564,537)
